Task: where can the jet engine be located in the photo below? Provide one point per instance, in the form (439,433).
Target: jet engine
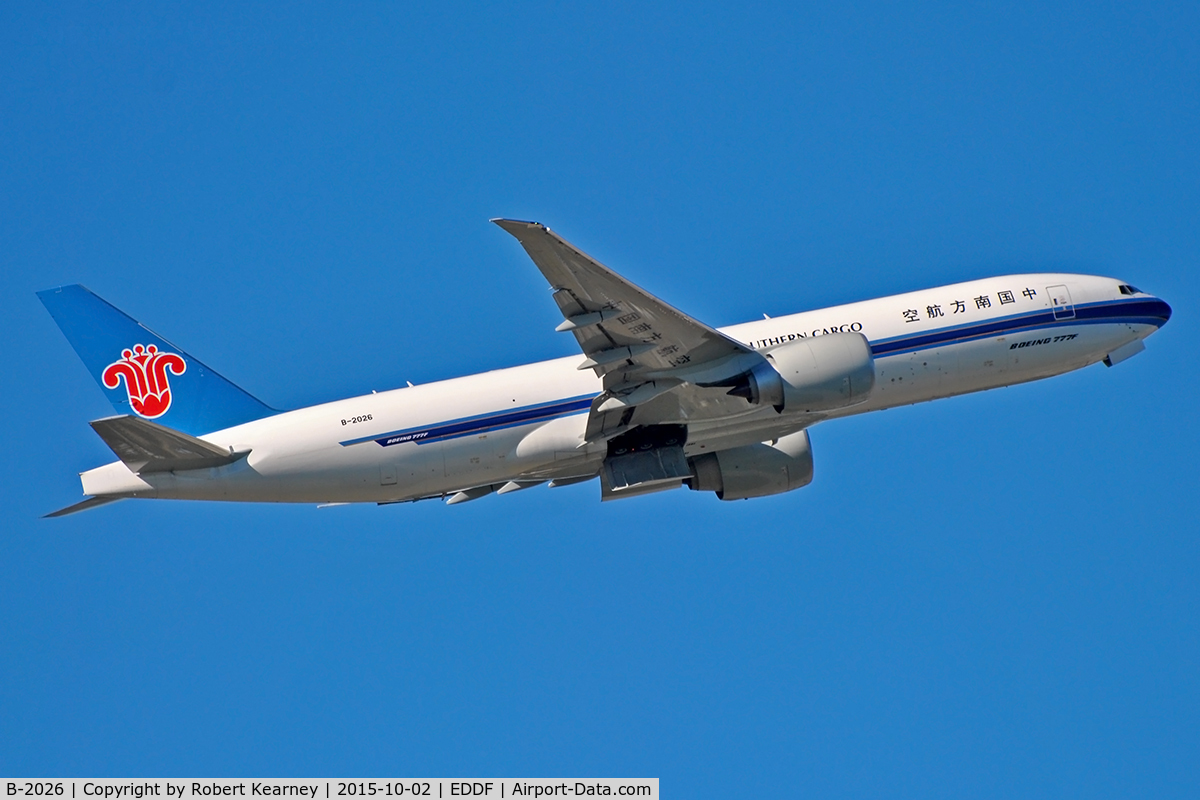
(755,470)
(815,374)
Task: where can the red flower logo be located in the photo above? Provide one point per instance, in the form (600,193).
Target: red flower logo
(145,372)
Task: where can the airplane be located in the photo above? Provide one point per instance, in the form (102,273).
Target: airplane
(659,400)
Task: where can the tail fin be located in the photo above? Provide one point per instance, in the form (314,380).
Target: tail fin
(144,374)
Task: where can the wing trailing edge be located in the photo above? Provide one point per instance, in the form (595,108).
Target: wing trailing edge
(642,347)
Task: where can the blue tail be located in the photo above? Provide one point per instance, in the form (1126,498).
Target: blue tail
(144,374)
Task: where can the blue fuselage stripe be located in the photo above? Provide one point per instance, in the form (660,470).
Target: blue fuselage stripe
(482,423)
(1135,312)
(1144,312)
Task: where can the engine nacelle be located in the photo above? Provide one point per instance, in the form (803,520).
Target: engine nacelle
(821,373)
(756,470)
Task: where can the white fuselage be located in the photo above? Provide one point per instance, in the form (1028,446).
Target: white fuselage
(527,423)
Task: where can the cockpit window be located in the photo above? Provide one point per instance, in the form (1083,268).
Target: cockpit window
(1127,289)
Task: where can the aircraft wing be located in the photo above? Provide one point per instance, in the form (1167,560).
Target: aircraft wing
(641,346)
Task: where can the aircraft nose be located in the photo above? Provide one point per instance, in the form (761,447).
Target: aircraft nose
(1162,310)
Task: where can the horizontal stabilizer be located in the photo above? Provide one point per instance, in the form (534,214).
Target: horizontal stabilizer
(82,505)
(146,446)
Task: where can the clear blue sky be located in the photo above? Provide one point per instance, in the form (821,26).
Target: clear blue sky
(990,596)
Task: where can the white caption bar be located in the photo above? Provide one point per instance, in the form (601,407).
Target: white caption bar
(323,788)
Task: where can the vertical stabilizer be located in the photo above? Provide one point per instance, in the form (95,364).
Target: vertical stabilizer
(143,374)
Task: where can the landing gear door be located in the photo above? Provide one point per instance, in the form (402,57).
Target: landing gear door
(1060,301)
